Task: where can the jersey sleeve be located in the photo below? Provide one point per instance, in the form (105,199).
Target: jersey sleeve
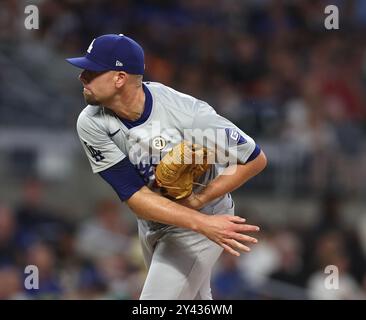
(230,142)
(100,149)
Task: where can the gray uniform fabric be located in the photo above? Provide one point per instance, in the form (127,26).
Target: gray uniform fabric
(180,260)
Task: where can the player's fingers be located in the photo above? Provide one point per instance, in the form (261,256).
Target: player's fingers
(246,228)
(229,249)
(244,238)
(236,245)
(237,219)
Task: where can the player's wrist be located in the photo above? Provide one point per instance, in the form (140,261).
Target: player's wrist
(200,199)
(203,198)
(198,221)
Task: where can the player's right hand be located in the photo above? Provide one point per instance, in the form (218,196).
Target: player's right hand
(229,232)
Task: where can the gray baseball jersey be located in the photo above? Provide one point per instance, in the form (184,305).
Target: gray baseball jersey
(173,260)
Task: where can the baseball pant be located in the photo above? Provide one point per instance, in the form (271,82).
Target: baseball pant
(179,260)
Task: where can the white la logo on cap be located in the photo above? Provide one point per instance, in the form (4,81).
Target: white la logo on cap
(90,47)
(119,63)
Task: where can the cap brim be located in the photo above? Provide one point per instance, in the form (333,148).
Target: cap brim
(87,64)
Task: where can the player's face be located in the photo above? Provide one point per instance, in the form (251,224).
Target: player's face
(98,86)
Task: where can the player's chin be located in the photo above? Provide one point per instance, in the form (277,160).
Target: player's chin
(89,99)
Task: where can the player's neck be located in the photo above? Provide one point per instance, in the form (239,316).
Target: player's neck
(130,103)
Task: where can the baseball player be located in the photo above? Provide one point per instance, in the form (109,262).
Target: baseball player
(129,129)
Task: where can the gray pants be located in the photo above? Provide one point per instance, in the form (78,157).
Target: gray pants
(180,261)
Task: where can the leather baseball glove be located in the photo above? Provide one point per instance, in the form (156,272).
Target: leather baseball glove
(180,168)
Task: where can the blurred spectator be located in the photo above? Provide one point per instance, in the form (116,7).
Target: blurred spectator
(107,241)
(89,284)
(263,260)
(105,234)
(330,251)
(11,284)
(331,225)
(124,279)
(36,221)
(42,256)
(290,269)
(10,252)
(230,282)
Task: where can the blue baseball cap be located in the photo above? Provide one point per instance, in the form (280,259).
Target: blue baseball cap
(112,52)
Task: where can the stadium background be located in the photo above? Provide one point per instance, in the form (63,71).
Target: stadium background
(270,66)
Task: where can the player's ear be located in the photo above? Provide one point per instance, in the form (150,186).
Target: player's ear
(120,78)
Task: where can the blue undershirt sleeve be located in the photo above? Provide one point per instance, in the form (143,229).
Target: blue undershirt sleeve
(124,179)
(254,154)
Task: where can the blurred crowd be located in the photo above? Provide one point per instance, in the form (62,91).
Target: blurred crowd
(324,260)
(268,65)
(99,256)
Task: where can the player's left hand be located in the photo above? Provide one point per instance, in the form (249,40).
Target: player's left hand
(193,201)
(229,232)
